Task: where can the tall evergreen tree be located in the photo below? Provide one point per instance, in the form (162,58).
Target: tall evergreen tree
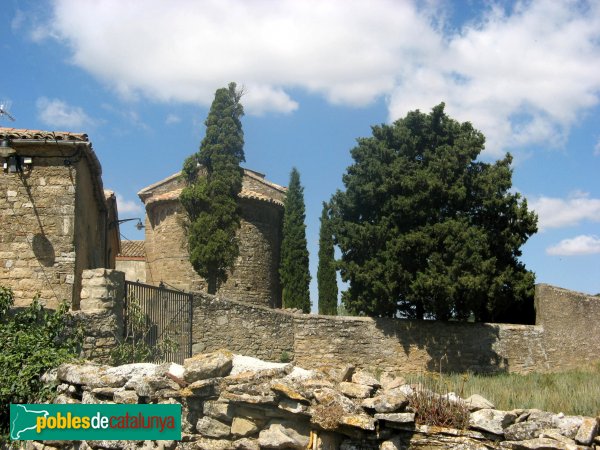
(326,273)
(293,270)
(427,230)
(213,181)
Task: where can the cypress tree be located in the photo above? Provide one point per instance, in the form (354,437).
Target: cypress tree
(293,270)
(213,179)
(326,275)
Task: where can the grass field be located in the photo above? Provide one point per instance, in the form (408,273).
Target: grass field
(575,392)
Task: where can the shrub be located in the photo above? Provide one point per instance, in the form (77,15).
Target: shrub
(33,340)
(438,410)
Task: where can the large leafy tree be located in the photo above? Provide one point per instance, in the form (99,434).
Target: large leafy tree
(293,270)
(326,271)
(213,181)
(428,231)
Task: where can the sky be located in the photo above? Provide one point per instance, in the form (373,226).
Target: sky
(139,76)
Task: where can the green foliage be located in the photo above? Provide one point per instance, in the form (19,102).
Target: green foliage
(285,357)
(326,272)
(427,231)
(293,270)
(213,181)
(136,345)
(32,341)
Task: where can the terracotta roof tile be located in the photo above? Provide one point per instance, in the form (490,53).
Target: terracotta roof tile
(132,249)
(258,196)
(26,134)
(175,193)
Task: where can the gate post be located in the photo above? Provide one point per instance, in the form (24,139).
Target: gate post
(102,295)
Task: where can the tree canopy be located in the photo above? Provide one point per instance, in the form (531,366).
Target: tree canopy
(293,270)
(326,271)
(426,230)
(213,181)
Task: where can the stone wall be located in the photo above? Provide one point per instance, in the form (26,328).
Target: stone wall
(406,346)
(90,227)
(564,338)
(390,345)
(135,270)
(37,252)
(230,401)
(571,326)
(244,328)
(51,223)
(254,276)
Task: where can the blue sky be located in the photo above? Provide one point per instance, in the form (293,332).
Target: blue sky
(138,77)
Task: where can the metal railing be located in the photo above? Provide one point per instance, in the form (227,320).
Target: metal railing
(160,318)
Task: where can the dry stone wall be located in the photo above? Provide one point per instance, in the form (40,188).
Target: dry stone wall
(236,402)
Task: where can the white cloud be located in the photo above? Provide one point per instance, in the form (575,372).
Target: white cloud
(579,245)
(559,213)
(597,148)
(17,21)
(172,119)
(128,206)
(522,76)
(57,113)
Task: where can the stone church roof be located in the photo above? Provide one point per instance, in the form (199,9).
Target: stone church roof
(255,187)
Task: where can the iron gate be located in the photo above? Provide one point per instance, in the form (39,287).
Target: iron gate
(159,322)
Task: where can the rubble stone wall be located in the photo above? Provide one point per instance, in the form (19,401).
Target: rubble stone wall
(405,346)
(392,345)
(232,402)
(242,327)
(570,321)
(380,345)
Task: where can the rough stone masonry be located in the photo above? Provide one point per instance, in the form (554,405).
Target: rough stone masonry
(235,402)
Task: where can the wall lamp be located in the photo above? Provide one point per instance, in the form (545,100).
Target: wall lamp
(139,225)
(13,163)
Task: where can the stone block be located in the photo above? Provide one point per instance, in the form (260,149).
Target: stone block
(355,390)
(209,427)
(587,431)
(218,410)
(491,420)
(243,427)
(201,367)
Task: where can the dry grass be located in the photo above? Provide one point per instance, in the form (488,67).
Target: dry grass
(574,392)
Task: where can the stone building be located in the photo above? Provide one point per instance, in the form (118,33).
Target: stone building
(131,260)
(55,218)
(254,276)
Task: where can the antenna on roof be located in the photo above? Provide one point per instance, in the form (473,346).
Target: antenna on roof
(4,107)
